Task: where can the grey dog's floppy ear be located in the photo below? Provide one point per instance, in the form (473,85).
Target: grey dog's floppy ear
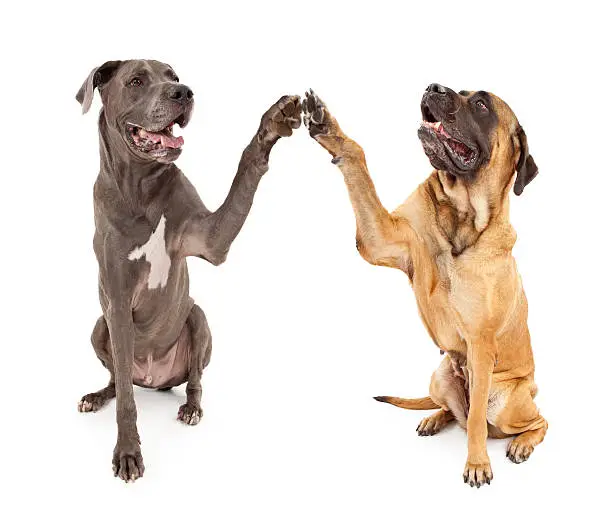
(97,78)
(526,169)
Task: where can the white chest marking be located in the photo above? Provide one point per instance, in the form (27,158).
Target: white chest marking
(154,251)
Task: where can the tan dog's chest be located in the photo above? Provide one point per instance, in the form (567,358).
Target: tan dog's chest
(464,276)
(433,288)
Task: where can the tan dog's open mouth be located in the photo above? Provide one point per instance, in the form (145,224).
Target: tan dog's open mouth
(460,149)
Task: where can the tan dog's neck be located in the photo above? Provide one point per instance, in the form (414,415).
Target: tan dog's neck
(464,209)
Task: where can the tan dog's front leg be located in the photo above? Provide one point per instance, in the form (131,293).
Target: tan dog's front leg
(481,358)
(382,239)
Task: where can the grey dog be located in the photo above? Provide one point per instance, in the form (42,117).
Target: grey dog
(148,219)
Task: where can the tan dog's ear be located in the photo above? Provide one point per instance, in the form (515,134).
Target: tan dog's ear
(526,169)
(96,79)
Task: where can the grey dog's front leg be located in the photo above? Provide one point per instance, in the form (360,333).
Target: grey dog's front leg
(127,459)
(210,235)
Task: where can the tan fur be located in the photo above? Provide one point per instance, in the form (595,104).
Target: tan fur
(454,240)
(416,404)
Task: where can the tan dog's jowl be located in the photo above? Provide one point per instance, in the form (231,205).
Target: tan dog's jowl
(453,239)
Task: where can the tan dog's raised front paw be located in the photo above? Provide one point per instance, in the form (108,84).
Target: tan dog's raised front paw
(477,474)
(281,118)
(324,128)
(316,115)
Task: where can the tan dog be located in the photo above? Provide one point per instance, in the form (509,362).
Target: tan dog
(453,239)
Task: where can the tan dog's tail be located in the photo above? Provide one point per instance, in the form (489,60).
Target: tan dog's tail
(416,404)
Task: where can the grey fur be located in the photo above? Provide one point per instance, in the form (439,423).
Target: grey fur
(133,190)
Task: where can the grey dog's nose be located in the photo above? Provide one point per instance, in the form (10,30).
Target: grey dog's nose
(180,93)
(437,88)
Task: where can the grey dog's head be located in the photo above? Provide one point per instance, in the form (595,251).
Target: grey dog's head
(142,100)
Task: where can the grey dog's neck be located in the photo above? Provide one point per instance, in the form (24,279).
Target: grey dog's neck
(137,182)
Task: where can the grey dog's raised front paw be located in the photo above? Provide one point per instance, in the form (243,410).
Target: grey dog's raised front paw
(282,117)
(127,461)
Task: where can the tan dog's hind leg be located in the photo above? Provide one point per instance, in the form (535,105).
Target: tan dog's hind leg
(520,416)
(448,390)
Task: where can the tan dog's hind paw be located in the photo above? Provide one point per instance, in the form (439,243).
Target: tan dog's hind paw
(435,423)
(521,446)
(477,474)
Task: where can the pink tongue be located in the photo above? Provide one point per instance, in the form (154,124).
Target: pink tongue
(171,141)
(165,140)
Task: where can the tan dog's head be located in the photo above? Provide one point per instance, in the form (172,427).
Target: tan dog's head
(474,135)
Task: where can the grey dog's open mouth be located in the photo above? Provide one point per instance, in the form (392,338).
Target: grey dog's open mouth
(157,143)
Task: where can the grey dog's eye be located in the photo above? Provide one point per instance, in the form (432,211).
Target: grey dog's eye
(135,82)
(481,105)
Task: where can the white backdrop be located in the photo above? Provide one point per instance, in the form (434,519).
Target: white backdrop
(304,331)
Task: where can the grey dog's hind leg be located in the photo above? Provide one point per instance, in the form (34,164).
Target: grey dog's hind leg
(100,341)
(201,346)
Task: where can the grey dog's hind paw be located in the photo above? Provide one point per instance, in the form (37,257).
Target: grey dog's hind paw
(189,414)
(91,402)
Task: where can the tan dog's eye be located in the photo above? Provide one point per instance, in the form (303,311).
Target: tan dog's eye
(136,82)
(481,105)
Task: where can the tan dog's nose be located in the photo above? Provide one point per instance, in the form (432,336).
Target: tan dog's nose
(437,88)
